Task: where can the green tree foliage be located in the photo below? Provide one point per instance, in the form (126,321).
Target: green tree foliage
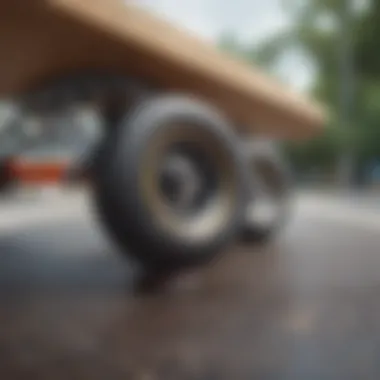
(316,32)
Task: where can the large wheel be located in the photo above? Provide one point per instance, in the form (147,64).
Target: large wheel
(270,191)
(169,183)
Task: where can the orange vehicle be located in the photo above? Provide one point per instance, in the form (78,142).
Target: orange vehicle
(37,170)
(171,176)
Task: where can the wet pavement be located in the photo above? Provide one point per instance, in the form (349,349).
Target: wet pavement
(305,307)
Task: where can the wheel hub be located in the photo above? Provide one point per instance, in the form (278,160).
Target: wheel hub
(181,182)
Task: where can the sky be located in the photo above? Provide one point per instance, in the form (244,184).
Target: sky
(250,20)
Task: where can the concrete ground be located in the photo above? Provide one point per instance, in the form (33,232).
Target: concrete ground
(305,307)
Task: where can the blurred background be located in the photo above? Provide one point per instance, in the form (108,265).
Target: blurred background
(326,48)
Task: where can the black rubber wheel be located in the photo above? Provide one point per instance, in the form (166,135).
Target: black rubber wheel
(143,163)
(271,181)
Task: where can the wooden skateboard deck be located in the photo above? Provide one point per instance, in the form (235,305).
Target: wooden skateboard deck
(42,39)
